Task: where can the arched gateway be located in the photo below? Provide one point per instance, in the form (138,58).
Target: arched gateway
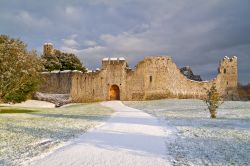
(114,92)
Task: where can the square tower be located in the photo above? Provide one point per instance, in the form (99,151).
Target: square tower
(48,49)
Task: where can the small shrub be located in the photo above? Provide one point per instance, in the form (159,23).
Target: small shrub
(213,100)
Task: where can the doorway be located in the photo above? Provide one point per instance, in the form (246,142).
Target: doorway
(114,92)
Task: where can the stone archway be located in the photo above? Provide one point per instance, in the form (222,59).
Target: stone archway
(114,92)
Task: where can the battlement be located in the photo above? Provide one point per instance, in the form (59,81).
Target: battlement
(227,59)
(228,65)
(113,61)
(160,57)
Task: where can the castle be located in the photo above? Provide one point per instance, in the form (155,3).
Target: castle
(152,78)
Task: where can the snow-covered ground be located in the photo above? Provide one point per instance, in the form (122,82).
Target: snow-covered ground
(31,104)
(27,135)
(195,139)
(129,138)
(183,134)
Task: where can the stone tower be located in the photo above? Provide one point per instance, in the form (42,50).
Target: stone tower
(115,77)
(228,71)
(48,49)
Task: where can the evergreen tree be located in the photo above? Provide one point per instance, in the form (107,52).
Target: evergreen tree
(62,61)
(19,70)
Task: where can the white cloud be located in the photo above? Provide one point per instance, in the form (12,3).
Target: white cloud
(90,43)
(125,42)
(105,2)
(73,12)
(70,44)
(94,51)
(28,20)
(69,50)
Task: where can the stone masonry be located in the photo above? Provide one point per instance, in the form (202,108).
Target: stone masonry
(152,78)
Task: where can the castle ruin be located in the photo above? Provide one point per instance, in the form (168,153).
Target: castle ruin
(152,78)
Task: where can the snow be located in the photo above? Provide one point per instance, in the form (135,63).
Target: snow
(114,59)
(122,59)
(129,137)
(24,136)
(55,71)
(32,103)
(105,59)
(195,139)
(166,132)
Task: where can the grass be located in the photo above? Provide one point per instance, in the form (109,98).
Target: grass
(15,111)
(26,133)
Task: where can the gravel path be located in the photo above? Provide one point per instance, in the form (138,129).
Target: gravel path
(129,137)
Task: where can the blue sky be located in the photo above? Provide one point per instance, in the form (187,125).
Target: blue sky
(197,33)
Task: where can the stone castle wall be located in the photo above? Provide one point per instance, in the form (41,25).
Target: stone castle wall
(153,78)
(57,82)
(162,79)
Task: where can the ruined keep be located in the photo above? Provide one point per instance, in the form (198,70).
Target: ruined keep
(153,78)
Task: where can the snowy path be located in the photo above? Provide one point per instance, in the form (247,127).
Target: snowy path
(129,137)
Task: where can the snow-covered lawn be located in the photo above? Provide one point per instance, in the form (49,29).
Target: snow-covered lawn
(31,104)
(26,135)
(130,137)
(195,139)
